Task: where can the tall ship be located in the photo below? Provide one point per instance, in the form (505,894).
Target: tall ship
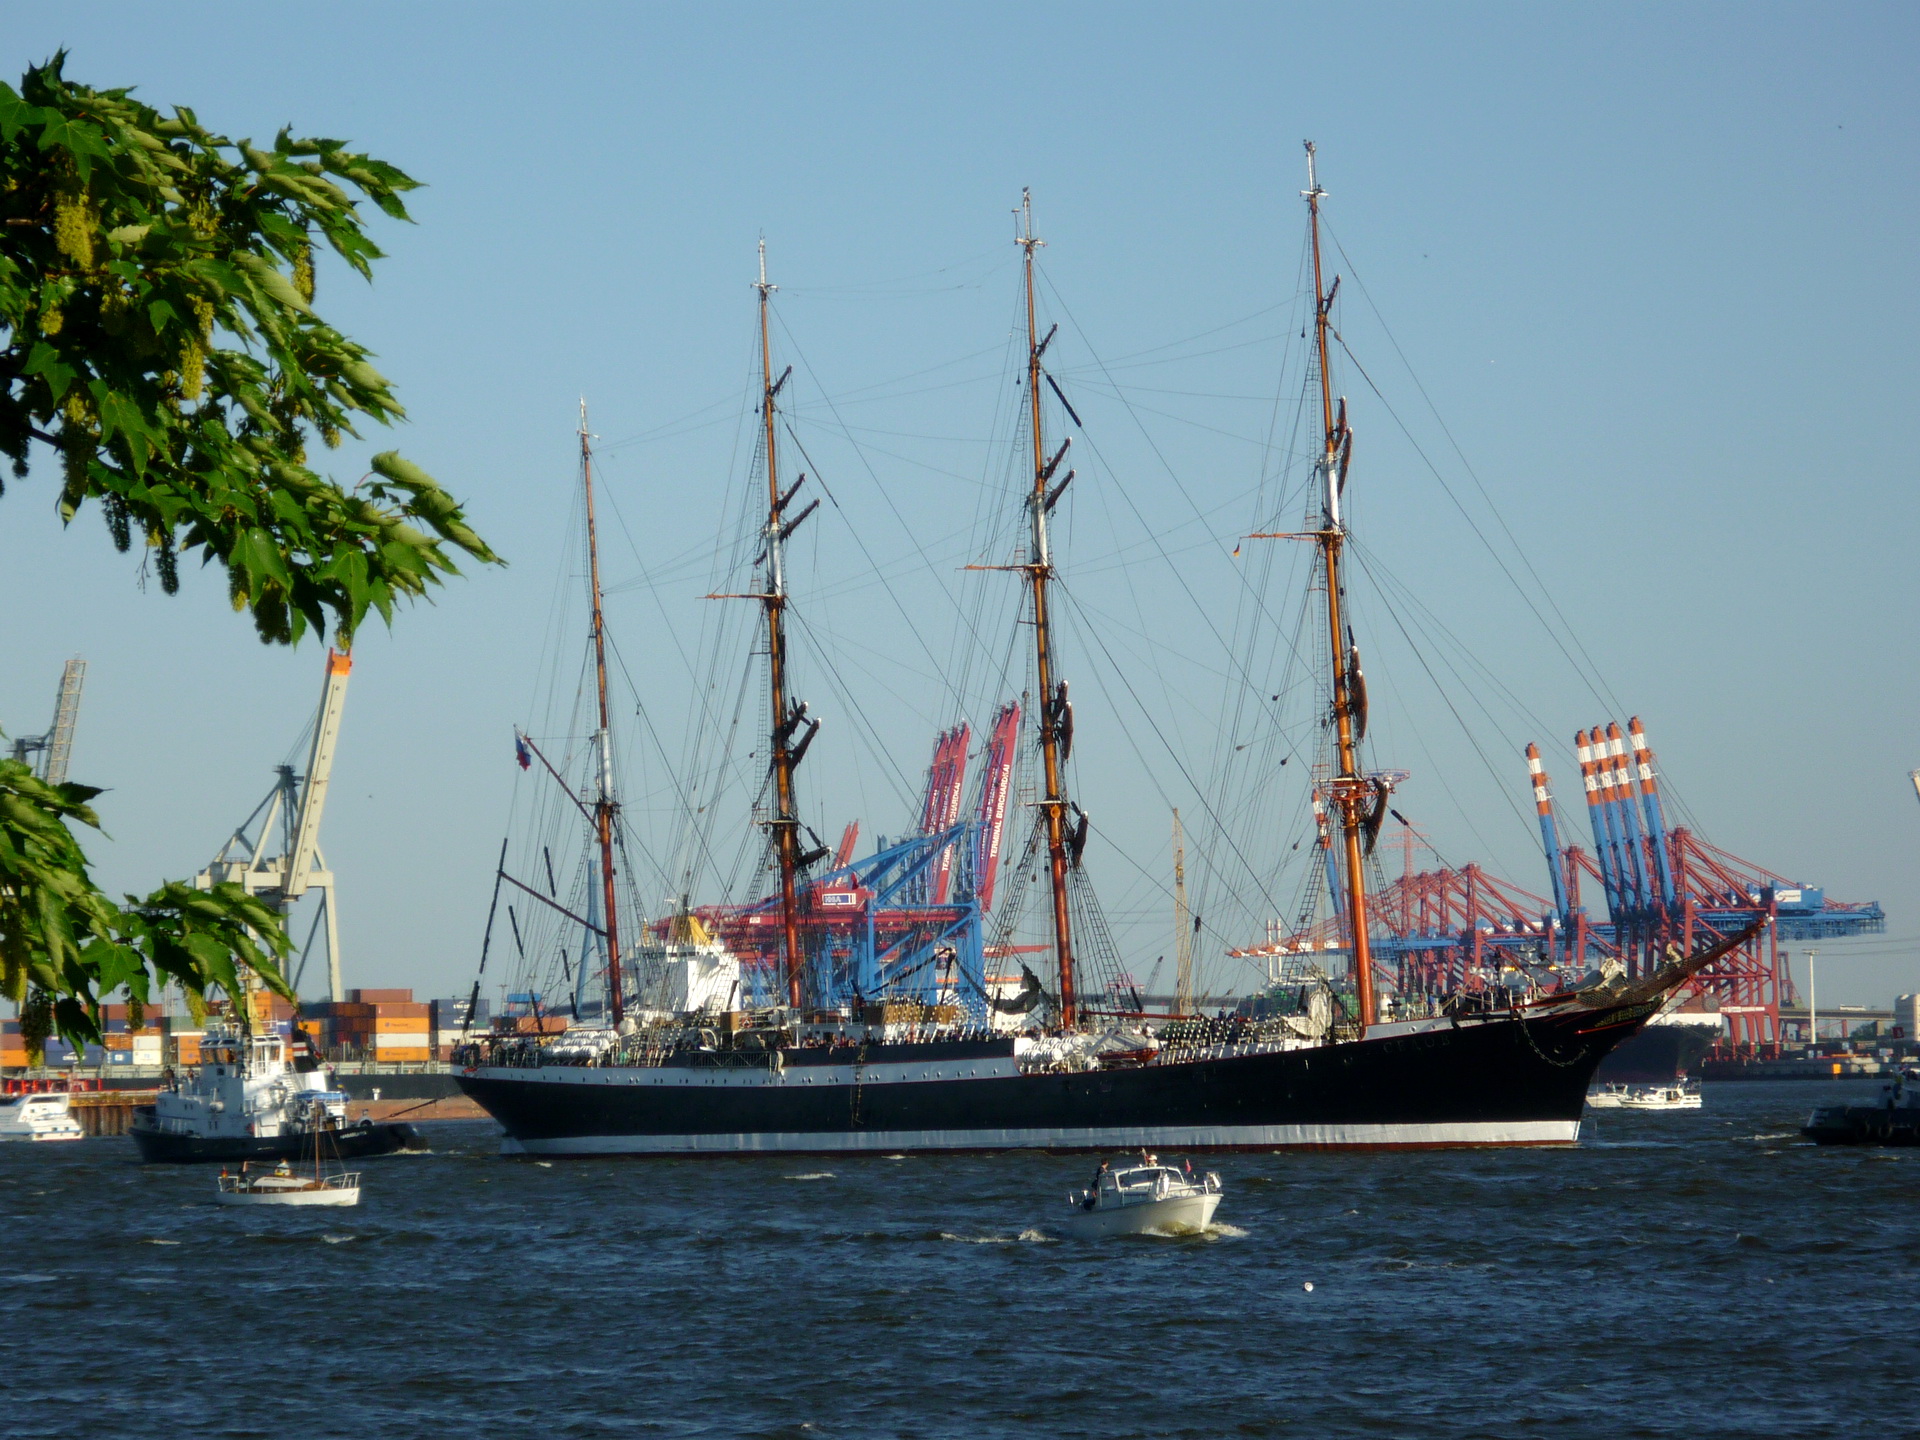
(851,1009)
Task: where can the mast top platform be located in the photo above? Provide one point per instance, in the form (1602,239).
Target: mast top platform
(761,284)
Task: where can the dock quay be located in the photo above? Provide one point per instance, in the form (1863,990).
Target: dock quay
(107,1112)
(104,1103)
(1835,1067)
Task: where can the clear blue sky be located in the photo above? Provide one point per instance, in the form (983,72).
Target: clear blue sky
(1653,265)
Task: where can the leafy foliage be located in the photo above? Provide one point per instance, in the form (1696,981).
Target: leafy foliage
(64,946)
(157,328)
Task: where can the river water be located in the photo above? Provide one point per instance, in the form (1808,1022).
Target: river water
(1701,1274)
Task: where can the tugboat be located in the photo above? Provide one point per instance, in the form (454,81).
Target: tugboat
(249,1101)
(1144,1199)
(1894,1121)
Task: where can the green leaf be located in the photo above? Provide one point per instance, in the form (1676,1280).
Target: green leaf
(275,284)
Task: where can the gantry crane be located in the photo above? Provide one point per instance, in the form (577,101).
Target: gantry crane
(56,745)
(295,804)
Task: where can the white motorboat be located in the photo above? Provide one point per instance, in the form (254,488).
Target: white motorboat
(283,1185)
(1610,1096)
(1678,1096)
(39,1116)
(1146,1199)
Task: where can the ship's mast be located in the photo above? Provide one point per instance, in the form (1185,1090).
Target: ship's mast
(787,717)
(1053,702)
(1350,792)
(604,805)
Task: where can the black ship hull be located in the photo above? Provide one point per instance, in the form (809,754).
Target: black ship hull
(1657,1055)
(1501,1081)
(356,1142)
(1864,1125)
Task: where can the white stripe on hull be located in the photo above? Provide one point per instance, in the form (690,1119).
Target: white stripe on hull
(1183,1137)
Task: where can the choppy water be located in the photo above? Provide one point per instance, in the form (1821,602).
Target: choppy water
(1686,1275)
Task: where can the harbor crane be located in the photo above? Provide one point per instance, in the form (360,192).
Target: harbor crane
(294,805)
(53,748)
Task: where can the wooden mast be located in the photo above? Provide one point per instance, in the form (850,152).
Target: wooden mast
(604,804)
(1350,792)
(786,717)
(1053,700)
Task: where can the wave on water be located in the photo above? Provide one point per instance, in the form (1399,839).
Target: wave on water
(1230,1232)
(339,1239)
(1028,1237)
(811,1175)
(151,1241)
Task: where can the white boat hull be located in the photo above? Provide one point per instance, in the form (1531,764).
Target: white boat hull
(289,1197)
(38,1117)
(284,1189)
(1176,1215)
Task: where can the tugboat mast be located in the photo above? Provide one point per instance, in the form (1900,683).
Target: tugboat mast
(1350,793)
(604,804)
(787,717)
(1053,696)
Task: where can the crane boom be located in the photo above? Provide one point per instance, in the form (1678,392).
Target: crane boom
(66,713)
(313,795)
(56,745)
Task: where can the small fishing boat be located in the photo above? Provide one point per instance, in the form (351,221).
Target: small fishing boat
(283,1185)
(42,1116)
(1144,1199)
(1895,1120)
(1678,1096)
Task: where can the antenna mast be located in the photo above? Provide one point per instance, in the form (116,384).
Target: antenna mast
(1352,795)
(787,717)
(1053,696)
(604,804)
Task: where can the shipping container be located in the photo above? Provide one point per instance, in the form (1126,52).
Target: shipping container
(452,1014)
(379,997)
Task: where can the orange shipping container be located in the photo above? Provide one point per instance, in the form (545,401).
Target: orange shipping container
(416,1052)
(377,997)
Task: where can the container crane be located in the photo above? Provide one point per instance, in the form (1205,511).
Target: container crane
(295,804)
(56,745)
